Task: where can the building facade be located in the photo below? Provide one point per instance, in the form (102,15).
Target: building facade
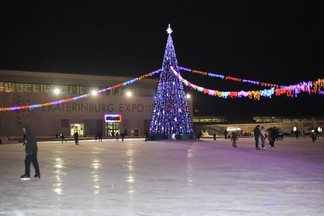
(112,111)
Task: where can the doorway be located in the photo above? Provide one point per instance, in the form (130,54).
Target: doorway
(77,127)
(112,128)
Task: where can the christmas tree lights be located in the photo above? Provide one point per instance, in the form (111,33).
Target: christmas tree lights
(171,117)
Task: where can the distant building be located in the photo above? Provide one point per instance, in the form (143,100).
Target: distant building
(125,109)
(110,112)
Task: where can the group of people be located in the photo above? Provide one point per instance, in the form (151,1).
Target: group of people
(259,133)
(30,143)
(233,137)
(75,136)
(97,137)
(315,134)
(260,136)
(31,149)
(122,135)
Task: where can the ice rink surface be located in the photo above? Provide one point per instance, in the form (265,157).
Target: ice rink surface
(165,178)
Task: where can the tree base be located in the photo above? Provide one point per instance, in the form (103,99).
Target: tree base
(171,137)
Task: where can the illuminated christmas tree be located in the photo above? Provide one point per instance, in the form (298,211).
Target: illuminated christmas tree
(171,117)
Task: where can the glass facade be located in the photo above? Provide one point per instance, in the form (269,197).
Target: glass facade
(11,87)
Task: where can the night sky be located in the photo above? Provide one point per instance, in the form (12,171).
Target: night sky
(270,41)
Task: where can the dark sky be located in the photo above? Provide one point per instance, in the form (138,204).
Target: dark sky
(271,41)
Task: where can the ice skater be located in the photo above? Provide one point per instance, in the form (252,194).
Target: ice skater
(256,134)
(76,138)
(263,137)
(30,143)
(234,139)
(63,138)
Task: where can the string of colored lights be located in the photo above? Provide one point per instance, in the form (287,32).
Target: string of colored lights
(291,90)
(225,94)
(230,78)
(34,106)
(314,87)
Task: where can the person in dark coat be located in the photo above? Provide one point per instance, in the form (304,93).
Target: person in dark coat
(257,134)
(100,135)
(273,135)
(314,136)
(76,138)
(146,136)
(123,136)
(30,143)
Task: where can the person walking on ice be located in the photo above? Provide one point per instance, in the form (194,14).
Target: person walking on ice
(30,143)
(256,134)
(63,138)
(234,139)
(76,138)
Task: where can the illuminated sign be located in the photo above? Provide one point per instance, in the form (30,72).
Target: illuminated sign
(113,118)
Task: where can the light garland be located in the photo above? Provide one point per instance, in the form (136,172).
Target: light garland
(315,87)
(290,91)
(34,106)
(225,94)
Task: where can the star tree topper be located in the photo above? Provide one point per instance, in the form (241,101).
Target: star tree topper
(169,30)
